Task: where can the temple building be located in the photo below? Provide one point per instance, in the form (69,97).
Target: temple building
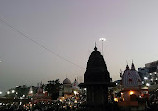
(41,96)
(75,86)
(68,89)
(30,94)
(132,90)
(96,81)
(131,83)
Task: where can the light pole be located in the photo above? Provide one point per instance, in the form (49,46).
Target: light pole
(102,39)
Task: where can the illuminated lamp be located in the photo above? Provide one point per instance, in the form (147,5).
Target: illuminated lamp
(131,92)
(116,99)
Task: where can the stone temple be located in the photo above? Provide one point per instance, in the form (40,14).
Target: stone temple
(96,81)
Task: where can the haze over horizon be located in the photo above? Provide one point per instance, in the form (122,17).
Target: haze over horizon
(68,31)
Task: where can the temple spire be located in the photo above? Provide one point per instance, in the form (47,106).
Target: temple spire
(127,67)
(95,48)
(120,73)
(132,67)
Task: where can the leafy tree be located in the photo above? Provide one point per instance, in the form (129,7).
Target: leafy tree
(53,88)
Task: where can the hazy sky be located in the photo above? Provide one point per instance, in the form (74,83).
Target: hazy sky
(70,29)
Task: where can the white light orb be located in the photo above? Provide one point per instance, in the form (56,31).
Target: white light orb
(102,39)
(8,92)
(13,91)
(145,78)
(147,84)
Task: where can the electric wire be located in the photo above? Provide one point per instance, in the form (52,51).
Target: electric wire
(39,44)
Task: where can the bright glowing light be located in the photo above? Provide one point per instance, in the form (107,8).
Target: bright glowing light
(102,39)
(31,92)
(75,101)
(13,91)
(147,84)
(145,78)
(75,92)
(8,92)
(23,96)
(131,92)
(0,92)
(116,99)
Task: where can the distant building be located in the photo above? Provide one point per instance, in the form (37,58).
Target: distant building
(40,96)
(149,73)
(69,89)
(131,89)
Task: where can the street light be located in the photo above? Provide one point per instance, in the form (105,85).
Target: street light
(8,92)
(13,91)
(0,92)
(102,39)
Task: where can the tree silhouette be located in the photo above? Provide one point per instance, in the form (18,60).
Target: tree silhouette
(53,88)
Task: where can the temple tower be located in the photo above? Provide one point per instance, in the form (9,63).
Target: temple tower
(97,81)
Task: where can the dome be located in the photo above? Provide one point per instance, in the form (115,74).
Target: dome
(66,81)
(131,78)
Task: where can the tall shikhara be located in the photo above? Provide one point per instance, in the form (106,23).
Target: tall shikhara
(97,81)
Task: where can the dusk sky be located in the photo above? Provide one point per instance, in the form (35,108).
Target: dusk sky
(43,40)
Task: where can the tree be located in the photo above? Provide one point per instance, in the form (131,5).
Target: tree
(53,88)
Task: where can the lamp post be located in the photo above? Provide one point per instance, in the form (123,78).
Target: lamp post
(102,39)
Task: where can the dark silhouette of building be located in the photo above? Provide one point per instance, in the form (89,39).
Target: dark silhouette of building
(96,80)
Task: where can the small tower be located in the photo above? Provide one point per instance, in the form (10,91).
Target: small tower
(97,81)
(30,94)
